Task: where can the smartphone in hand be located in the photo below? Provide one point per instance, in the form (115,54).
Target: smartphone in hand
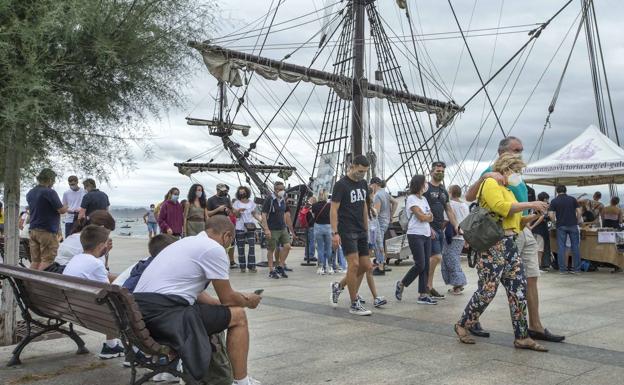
(259,291)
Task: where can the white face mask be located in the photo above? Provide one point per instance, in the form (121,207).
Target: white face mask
(514,179)
(281,194)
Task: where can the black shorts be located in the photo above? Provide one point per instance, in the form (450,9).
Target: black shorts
(355,243)
(216,318)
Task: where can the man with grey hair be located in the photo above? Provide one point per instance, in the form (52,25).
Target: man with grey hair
(527,245)
(45,219)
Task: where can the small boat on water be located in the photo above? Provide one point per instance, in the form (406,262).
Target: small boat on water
(125,227)
(125,234)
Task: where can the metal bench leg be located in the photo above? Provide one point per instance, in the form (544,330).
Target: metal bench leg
(15,359)
(71,333)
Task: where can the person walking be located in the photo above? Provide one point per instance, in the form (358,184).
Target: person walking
(45,217)
(564,210)
(310,246)
(527,246)
(72,198)
(171,216)
(276,222)
(220,204)
(195,212)
(322,234)
(452,272)
(502,262)
(93,200)
(1,219)
(540,231)
(419,239)
(246,216)
(438,199)
(385,205)
(149,218)
(349,223)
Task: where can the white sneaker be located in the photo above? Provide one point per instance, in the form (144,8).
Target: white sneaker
(358,309)
(250,381)
(330,271)
(320,271)
(165,377)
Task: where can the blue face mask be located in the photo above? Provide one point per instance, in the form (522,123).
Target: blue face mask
(175,198)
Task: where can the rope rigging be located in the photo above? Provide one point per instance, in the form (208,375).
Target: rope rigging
(534,34)
(474,63)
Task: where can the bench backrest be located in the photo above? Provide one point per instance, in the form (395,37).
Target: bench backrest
(104,308)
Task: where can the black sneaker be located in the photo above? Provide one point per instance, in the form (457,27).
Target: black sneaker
(286,268)
(262,264)
(233,265)
(282,273)
(139,358)
(435,295)
(386,268)
(426,300)
(377,271)
(273,274)
(108,353)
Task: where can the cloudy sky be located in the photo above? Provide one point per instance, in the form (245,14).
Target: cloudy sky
(522,109)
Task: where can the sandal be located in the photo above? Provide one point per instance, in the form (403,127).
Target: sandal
(465,338)
(531,346)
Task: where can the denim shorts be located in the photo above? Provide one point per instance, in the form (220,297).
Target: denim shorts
(437,244)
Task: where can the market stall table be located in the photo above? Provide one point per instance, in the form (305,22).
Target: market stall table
(592,249)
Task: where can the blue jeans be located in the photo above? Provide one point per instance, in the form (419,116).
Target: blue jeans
(323,237)
(309,251)
(562,233)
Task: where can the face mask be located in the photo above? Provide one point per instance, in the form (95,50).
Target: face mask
(281,194)
(243,195)
(74,188)
(199,194)
(514,179)
(438,176)
(222,193)
(175,198)
(151,209)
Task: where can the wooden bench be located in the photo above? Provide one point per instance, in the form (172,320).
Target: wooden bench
(24,250)
(64,301)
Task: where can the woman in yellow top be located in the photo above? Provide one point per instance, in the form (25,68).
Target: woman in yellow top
(502,262)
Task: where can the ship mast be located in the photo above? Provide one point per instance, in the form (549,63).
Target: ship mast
(357,110)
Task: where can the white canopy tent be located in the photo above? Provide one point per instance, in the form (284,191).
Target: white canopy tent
(590,159)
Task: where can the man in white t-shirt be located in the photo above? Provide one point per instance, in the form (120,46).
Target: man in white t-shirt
(165,295)
(72,199)
(94,240)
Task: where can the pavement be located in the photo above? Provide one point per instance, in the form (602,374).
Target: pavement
(298,338)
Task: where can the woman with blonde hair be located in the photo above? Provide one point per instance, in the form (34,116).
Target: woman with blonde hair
(502,262)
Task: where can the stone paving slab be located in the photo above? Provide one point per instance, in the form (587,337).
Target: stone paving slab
(298,338)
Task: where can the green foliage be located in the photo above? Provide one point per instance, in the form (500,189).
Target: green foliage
(77,77)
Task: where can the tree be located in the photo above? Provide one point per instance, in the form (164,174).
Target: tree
(77,79)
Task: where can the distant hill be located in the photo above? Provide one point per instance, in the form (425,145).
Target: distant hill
(127,212)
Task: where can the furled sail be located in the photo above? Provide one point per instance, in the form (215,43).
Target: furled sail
(225,65)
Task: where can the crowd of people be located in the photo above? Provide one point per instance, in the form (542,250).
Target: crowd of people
(346,228)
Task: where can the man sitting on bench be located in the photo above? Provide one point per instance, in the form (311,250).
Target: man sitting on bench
(94,241)
(179,313)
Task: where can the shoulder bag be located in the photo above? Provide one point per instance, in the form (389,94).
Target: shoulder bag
(482,228)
